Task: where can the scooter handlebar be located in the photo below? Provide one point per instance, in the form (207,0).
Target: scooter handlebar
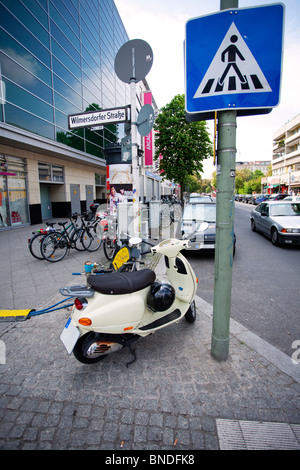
(146,252)
(170,247)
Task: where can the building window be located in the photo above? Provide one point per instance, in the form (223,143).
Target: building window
(100,179)
(51,173)
(57,174)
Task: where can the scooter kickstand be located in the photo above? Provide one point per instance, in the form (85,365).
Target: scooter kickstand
(134,356)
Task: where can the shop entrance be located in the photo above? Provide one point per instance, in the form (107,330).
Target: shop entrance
(4,211)
(13,192)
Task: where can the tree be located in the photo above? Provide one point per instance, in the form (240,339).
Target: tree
(192,184)
(182,145)
(247,182)
(242,177)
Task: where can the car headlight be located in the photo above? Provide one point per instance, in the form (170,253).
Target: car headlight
(290,230)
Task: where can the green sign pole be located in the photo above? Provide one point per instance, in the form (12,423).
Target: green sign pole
(226,161)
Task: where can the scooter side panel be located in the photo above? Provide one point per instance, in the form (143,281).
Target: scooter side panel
(116,314)
(153,321)
(184,283)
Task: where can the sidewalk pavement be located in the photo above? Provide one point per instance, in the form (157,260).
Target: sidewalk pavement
(175,397)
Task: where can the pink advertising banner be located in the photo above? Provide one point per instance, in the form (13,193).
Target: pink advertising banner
(148,143)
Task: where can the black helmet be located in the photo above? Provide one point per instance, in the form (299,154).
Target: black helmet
(161,296)
(94,207)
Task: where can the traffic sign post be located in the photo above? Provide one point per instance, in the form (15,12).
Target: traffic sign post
(226,161)
(132,63)
(233,68)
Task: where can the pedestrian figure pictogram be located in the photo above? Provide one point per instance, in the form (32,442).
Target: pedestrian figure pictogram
(241,73)
(232,51)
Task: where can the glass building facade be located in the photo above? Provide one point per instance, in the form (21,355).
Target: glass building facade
(57,59)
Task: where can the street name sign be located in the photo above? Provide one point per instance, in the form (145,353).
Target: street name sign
(96,118)
(233,61)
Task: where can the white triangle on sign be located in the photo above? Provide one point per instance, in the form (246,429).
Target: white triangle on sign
(233,69)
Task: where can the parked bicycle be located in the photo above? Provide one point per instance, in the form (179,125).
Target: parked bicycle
(56,244)
(34,243)
(106,231)
(129,256)
(85,236)
(171,211)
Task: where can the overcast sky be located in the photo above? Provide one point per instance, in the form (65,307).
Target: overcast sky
(161,23)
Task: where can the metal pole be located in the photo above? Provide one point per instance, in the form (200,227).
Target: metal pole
(226,162)
(224,4)
(134,151)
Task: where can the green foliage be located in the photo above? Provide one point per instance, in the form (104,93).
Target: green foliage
(247,182)
(194,184)
(182,145)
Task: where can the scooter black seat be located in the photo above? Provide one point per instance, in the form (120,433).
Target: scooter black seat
(118,283)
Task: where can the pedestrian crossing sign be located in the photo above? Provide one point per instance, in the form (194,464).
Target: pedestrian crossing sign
(233,61)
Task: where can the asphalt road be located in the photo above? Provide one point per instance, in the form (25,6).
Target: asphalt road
(265,294)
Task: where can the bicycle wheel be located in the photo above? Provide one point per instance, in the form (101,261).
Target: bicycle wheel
(54,247)
(90,240)
(34,245)
(109,248)
(76,238)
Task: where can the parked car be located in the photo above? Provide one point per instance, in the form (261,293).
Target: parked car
(251,198)
(194,198)
(201,219)
(261,198)
(292,198)
(278,220)
(278,197)
(245,198)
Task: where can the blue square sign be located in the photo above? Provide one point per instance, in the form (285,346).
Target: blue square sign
(233,61)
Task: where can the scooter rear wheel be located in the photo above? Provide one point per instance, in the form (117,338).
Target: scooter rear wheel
(93,347)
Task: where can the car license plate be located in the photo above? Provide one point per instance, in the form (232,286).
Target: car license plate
(69,336)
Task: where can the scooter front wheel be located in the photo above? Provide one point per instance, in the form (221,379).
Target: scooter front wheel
(94,347)
(190,315)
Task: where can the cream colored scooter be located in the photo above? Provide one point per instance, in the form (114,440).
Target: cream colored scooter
(117,308)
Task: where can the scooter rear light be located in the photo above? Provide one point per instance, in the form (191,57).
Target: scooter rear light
(80,303)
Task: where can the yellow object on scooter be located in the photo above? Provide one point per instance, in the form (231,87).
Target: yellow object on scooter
(121,257)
